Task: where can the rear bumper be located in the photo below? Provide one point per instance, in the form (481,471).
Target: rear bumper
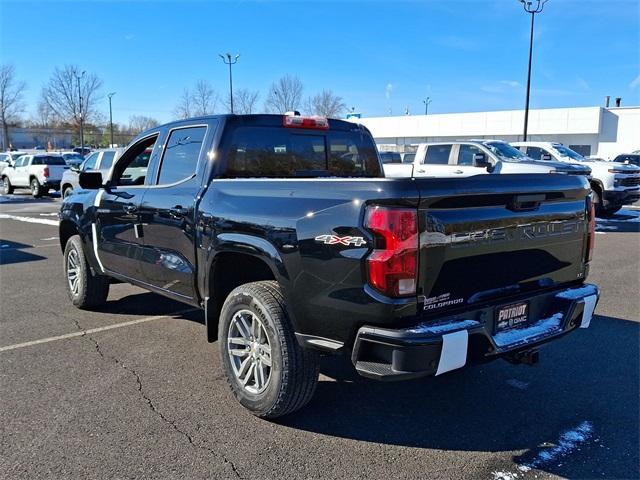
(620,197)
(451,343)
(55,184)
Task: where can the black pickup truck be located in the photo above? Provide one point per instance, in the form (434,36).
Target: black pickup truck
(285,232)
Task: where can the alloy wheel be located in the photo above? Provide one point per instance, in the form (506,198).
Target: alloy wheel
(249,351)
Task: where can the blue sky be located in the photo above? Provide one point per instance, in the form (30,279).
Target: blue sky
(467,55)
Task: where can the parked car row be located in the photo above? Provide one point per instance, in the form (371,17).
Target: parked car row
(613,184)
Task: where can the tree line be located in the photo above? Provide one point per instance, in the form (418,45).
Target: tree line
(71,95)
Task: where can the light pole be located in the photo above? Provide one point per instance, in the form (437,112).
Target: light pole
(426,102)
(111,117)
(532,7)
(229,60)
(78,78)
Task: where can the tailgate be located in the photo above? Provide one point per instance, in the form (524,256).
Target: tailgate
(491,236)
(56,172)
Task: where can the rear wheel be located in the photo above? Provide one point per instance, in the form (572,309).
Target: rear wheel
(36,188)
(269,373)
(85,289)
(609,211)
(7,188)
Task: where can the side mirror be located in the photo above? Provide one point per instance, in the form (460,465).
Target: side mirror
(75,168)
(480,160)
(546,157)
(90,180)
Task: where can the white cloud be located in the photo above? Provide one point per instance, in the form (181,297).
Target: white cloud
(129,36)
(500,87)
(635,83)
(510,83)
(582,83)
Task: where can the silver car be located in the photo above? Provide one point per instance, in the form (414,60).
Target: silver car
(101,161)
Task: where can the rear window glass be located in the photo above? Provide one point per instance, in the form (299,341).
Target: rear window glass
(48,160)
(279,152)
(390,157)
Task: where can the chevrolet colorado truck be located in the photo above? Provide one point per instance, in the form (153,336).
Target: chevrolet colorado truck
(284,231)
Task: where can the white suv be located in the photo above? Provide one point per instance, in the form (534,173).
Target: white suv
(613,184)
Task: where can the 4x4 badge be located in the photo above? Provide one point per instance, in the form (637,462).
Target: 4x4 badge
(336,240)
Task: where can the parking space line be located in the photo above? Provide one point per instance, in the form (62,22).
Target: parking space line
(43,221)
(93,330)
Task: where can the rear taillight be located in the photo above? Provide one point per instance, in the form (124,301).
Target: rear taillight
(393,264)
(296,121)
(46,172)
(591,229)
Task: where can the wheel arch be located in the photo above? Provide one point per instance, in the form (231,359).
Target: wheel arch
(239,259)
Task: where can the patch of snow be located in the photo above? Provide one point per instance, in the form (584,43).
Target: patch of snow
(568,442)
(49,214)
(520,385)
(576,293)
(520,335)
(498,475)
(438,328)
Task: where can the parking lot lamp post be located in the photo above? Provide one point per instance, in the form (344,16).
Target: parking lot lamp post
(229,60)
(111,117)
(532,7)
(426,102)
(78,78)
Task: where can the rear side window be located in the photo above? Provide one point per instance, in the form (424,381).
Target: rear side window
(48,160)
(107,160)
(438,154)
(181,154)
(279,152)
(390,157)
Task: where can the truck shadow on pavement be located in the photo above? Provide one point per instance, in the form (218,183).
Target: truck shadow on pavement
(624,221)
(590,377)
(12,252)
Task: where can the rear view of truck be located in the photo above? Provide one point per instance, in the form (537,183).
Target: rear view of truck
(496,270)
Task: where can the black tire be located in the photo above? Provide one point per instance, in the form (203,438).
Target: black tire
(36,188)
(596,198)
(67,191)
(92,289)
(7,188)
(293,373)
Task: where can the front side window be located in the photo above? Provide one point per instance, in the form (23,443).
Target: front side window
(505,151)
(131,168)
(181,154)
(535,153)
(438,154)
(466,153)
(90,162)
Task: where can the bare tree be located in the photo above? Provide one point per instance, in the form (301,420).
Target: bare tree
(326,104)
(184,108)
(140,123)
(44,117)
(284,95)
(61,94)
(11,100)
(245,101)
(204,98)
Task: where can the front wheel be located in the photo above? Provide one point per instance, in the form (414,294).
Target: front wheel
(269,373)
(85,289)
(67,191)
(610,211)
(7,188)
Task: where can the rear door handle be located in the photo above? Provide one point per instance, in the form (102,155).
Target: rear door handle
(130,208)
(458,171)
(178,211)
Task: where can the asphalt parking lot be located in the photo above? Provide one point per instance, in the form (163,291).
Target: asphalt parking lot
(135,391)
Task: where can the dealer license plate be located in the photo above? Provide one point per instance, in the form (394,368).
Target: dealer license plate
(512,316)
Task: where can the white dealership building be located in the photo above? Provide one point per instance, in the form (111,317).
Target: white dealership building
(598,131)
